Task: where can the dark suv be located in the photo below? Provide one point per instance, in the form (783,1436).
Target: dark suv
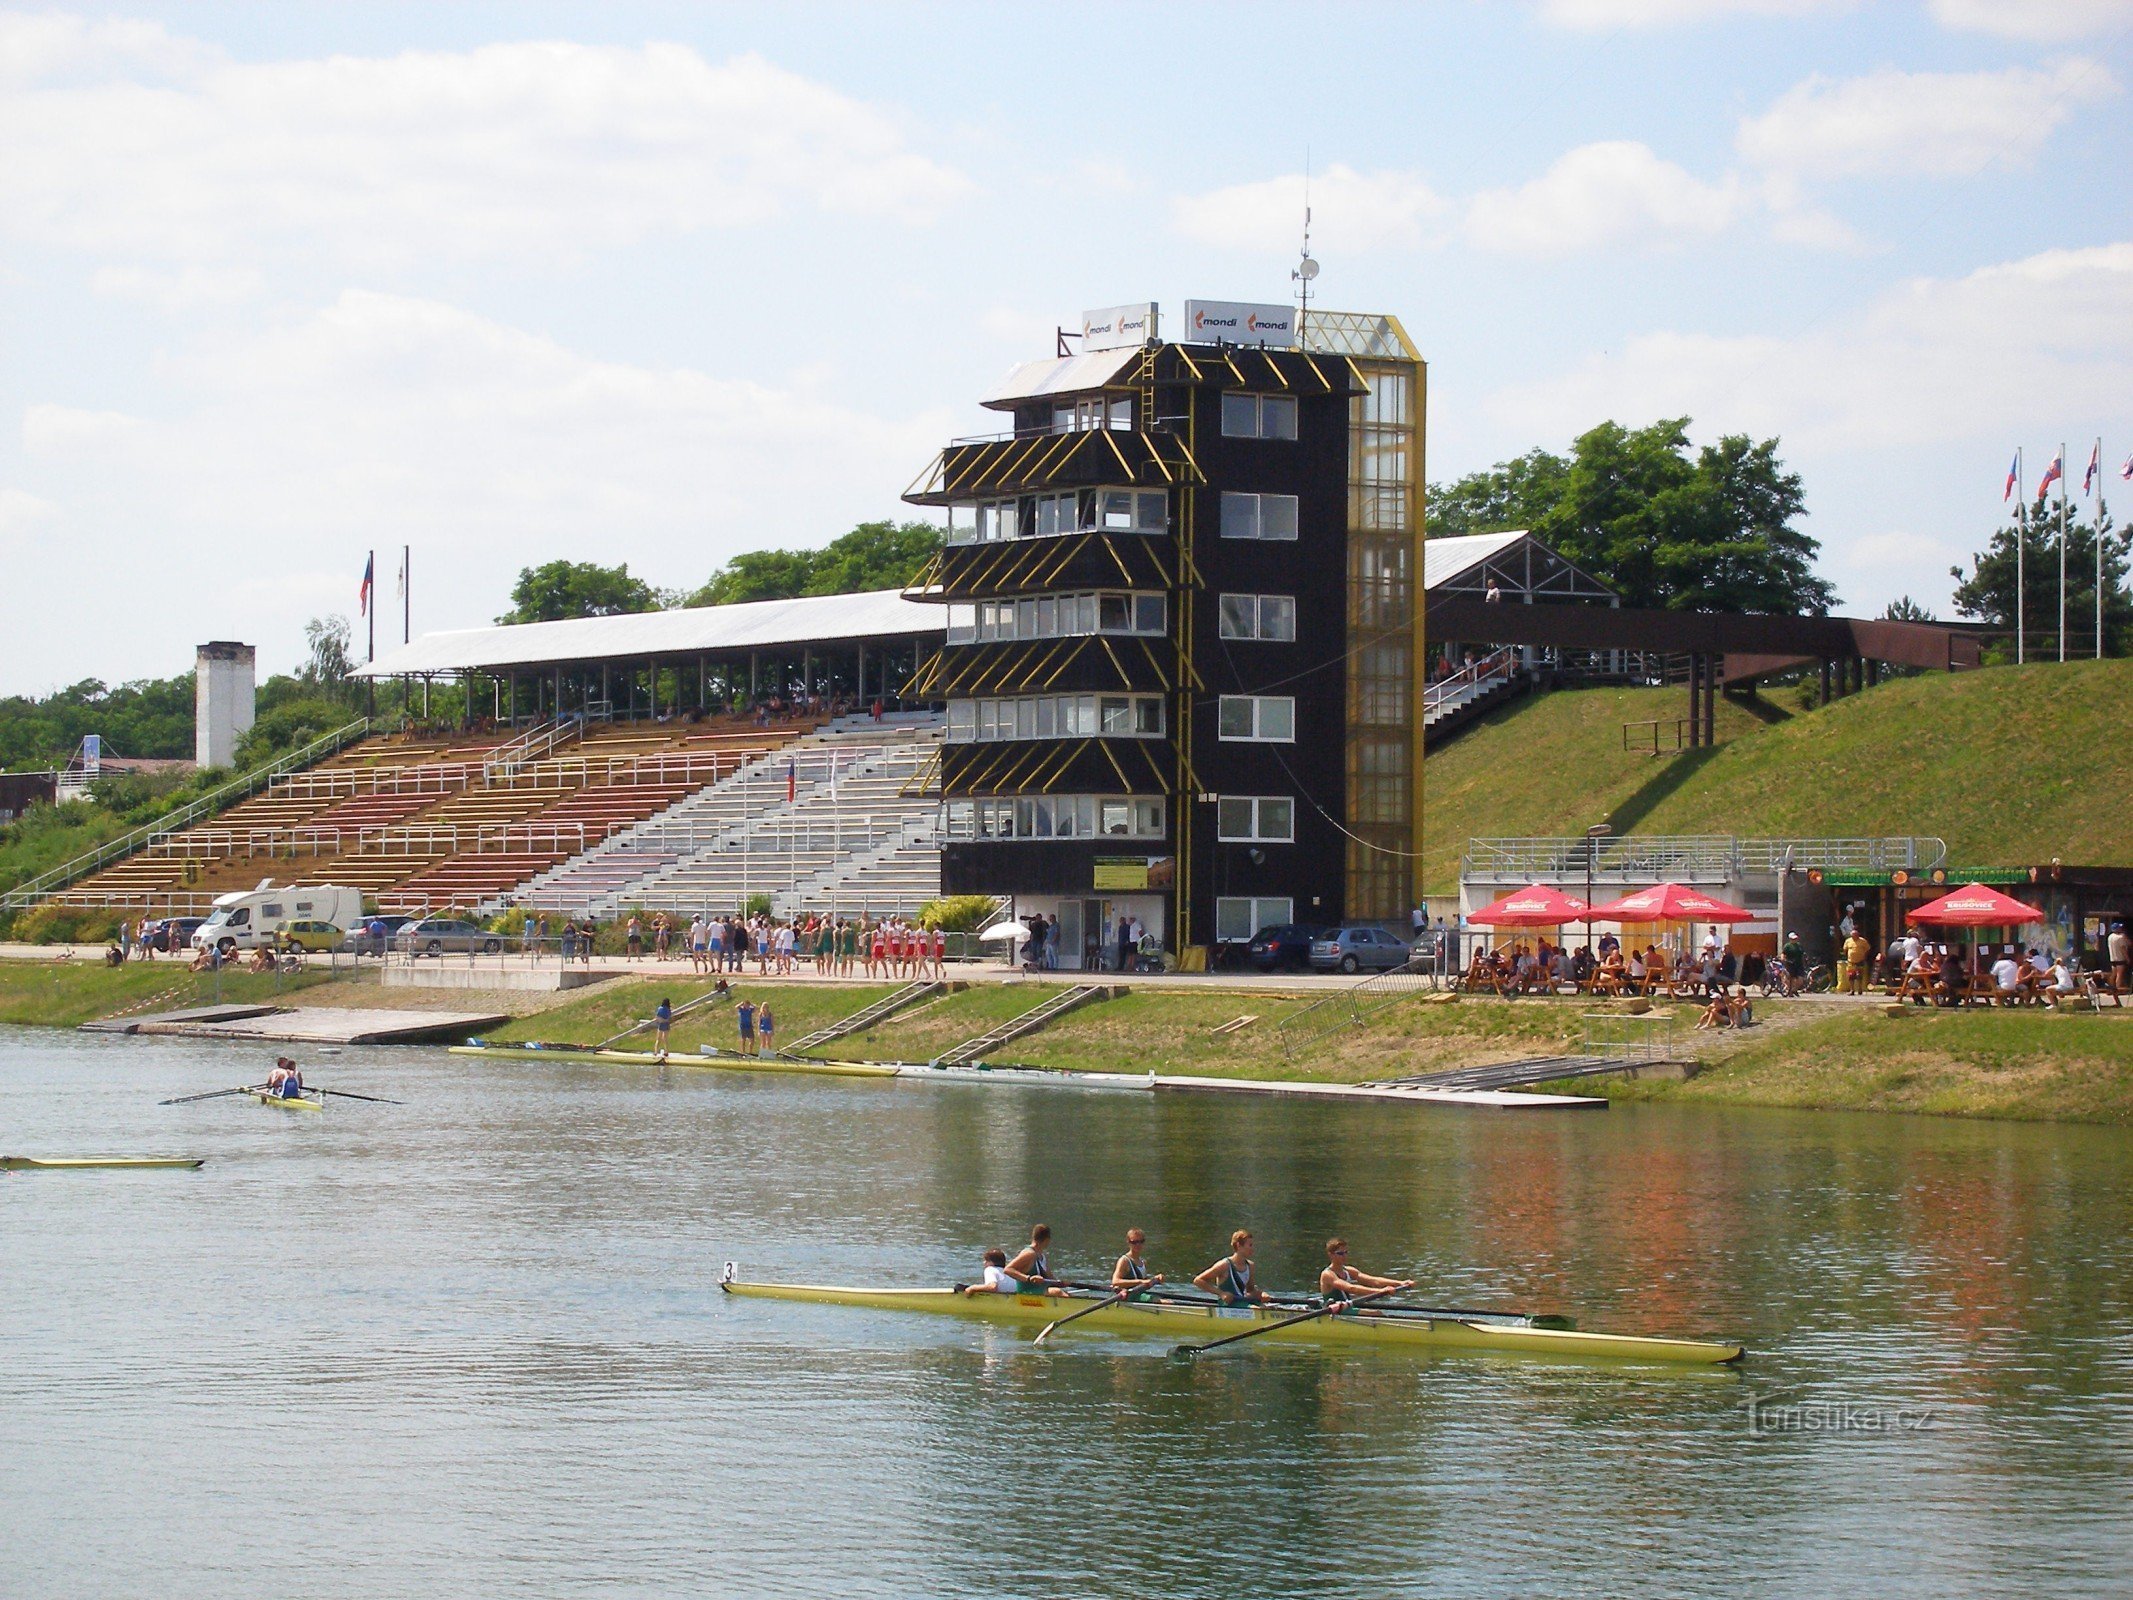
(170,935)
(1282,944)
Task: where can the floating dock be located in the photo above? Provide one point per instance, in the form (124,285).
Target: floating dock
(304,1024)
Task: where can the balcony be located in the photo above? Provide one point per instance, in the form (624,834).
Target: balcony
(1032,463)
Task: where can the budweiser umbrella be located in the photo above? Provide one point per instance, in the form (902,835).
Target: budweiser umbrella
(1534,906)
(1975,906)
(1668,902)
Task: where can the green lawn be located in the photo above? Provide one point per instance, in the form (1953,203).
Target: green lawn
(611,1007)
(2010,765)
(64,994)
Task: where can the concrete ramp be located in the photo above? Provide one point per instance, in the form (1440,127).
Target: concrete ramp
(320,1025)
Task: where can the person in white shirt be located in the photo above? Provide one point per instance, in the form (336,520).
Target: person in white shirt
(2007,976)
(1911,951)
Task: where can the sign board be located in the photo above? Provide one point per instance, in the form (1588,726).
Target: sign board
(1118,327)
(1240,322)
(1118,873)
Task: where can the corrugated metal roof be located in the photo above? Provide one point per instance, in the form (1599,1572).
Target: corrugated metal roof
(1444,559)
(698,630)
(1066,376)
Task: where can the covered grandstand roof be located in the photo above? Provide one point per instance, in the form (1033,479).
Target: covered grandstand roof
(1520,565)
(638,636)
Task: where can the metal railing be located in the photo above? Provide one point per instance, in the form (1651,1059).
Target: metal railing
(504,762)
(1354,1005)
(1678,857)
(1474,679)
(1616,1036)
(25,895)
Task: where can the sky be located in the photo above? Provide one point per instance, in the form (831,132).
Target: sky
(657,284)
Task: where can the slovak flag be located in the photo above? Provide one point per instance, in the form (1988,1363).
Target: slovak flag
(2014,476)
(2088,478)
(2126,471)
(363,593)
(2052,474)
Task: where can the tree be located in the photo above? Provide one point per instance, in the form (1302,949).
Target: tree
(1904,609)
(561,589)
(1633,509)
(874,555)
(329,658)
(1987,591)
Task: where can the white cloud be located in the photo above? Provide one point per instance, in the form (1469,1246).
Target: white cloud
(35,48)
(1351,212)
(508,148)
(1941,124)
(21,514)
(1595,16)
(1933,361)
(2042,20)
(1599,195)
(382,420)
(180,289)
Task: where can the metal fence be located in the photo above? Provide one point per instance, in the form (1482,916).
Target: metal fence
(1659,858)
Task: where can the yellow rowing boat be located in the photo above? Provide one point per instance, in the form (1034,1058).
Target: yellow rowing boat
(1366,1329)
(73,1163)
(302,1102)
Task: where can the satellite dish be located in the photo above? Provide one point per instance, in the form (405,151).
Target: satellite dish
(1307,269)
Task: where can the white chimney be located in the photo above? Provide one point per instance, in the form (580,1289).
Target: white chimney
(223,696)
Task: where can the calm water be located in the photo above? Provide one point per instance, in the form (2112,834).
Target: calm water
(474,1345)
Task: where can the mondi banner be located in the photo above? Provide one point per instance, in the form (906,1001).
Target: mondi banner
(1118,327)
(1239,322)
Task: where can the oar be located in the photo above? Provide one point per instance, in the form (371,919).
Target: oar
(377,1099)
(1111,1299)
(1190,1350)
(212,1094)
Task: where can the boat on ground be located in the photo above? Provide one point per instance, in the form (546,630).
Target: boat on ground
(309,1100)
(73,1163)
(1392,1328)
(722,1061)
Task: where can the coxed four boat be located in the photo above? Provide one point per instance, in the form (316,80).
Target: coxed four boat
(1388,1328)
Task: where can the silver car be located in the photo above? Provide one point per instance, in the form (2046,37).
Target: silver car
(1353,949)
(433,936)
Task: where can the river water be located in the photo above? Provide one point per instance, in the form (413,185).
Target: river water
(474,1345)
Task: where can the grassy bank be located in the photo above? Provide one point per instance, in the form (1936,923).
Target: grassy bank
(64,994)
(2029,1065)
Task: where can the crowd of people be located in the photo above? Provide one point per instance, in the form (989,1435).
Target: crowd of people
(833,946)
(1607,968)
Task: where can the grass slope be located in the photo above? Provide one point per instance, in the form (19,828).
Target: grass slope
(2010,765)
(64,994)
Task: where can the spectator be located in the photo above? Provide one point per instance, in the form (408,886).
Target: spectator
(2119,950)
(1857,953)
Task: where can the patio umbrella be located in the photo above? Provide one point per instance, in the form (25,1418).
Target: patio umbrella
(1668,902)
(1534,906)
(1975,906)
(1009,929)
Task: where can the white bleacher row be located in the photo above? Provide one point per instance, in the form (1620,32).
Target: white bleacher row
(855,809)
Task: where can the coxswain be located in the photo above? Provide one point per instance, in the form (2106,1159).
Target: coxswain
(1341,1283)
(285,1082)
(1133,1270)
(1032,1263)
(1232,1277)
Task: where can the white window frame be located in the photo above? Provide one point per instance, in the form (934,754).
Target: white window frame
(1005,719)
(1244,516)
(1259,709)
(1272,416)
(1259,616)
(1056,816)
(1145,510)
(1059,616)
(1258,804)
(1259,911)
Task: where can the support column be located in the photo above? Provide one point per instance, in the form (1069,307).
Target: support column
(1825,683)
(859,677)
(651,679)
(754,691)
(1715,667)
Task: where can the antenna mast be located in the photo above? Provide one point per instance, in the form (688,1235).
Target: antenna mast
(1306,269)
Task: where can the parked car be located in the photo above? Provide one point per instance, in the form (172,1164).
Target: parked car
(1283,944)
(169,935)
(1352,949)
(373,936)
(312,936)
(434,936)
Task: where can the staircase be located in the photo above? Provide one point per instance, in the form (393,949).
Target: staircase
(1451,703)
(859,1021)
(1040,1015)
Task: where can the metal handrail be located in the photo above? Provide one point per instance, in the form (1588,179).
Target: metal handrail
(1469,680)
(530,746)
(25,895)
(1654,857)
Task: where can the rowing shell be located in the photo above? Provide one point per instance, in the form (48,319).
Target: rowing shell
(302,1102)
(718,1063)
(1387,1330)
(69,1163)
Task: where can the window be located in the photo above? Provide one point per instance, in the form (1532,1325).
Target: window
(1059,616)
(1263,719)
(1133,510)
(1056,716)
(1055,816)
(1267,819)
(1258,416)
(1092,411)
(1056,514)
(1238,917)
(1258,516)
(1247,616)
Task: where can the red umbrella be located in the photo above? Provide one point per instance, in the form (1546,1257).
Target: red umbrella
(1534,906)
(1668,902)
(1975,906)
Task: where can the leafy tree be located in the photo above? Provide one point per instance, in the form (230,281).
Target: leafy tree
(149,718)
(1987,591)
(561,589)
(874,555)
(329,657)
(1904,609)
(1630,506)
(287,725)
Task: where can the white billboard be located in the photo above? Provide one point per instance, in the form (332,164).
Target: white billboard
(1118,327)
(1239,322)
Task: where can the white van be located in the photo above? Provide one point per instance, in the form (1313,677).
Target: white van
(248,918)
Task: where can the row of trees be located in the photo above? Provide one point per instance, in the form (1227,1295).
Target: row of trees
(1986,591)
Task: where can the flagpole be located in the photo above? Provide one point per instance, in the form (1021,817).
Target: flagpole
(2021,539)
(2096,478)
(407,594)
(370,612)
(2062,550)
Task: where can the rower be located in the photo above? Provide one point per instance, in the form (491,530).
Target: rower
(1232,1277)
(1133,1269)
(1001,1278)
(1340,1282)
(285,1082)
(1031,1263)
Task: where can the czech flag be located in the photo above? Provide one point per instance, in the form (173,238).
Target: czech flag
(2088,478)
(2052,474)
(363,593)
(792,780)
(2014,476)
(2126,471)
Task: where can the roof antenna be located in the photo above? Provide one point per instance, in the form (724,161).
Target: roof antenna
(1306,268)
